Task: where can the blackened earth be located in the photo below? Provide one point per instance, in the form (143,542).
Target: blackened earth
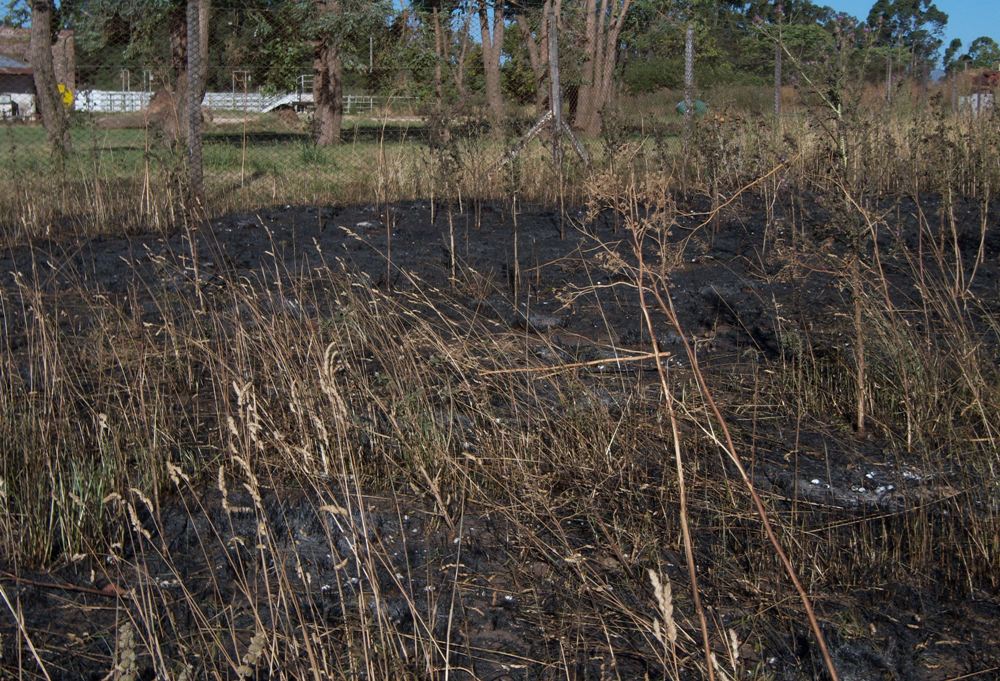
(565,279)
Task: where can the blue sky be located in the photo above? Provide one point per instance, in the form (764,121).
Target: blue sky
(967,19)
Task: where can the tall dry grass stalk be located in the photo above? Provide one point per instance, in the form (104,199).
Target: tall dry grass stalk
(271,416)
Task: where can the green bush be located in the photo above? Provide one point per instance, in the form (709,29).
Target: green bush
(649,75)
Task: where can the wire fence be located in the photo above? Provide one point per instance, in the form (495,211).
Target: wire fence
(128,160)
(413,115)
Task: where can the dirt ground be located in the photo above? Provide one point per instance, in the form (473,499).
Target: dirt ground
(565,294)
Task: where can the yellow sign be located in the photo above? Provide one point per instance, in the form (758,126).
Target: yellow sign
(67,95)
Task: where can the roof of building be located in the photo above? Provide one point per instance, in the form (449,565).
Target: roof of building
(9,65)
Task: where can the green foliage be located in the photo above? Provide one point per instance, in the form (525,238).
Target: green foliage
(267,38)
(311,155)
(517,78)
(649,75)
(727,48)
(518,81)
(984,52)
(275,41)
(951,55)
(809,43)
(272,39)
(915,24)
(112,35)
(350,27)
(15,13)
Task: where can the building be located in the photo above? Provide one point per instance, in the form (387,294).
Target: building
(16,44)
(17,89)
(982,98)
(986,81)
(17,85)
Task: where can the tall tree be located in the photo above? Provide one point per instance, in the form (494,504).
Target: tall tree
(54,115)
(461,58)
(438,14)
(951,60)
(951,64)
(338,30)
(917,25)
(532,23)
(984,52)
(121,32)
(182,79)
(491,31)
(602,28)
(328,75)
(440,44)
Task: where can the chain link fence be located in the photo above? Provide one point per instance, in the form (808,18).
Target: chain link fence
(414,115)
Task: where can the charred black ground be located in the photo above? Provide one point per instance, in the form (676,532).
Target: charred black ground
(528,587)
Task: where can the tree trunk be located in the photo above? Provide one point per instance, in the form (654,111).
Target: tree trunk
(592,125)
(603,29)
(609,59)
(538,52)
(328,83)
(167,108)
(204,21)
(777,80)
(175,121)
(460,60)
(689,73)
(888,77)
(585,94)
(49,102)
(551,20)
(196,68)
(925,81)
(777,63)
(492,48)
(438,55)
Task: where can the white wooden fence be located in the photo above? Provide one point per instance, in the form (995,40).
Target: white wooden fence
(113,101)
(110,101)
(239,101)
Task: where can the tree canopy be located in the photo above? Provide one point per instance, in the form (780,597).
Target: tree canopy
(984,52)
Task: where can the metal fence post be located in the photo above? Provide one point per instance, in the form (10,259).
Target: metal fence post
(689,71)
(194,92)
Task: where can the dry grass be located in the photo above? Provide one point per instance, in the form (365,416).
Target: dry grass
(126,181)
(314,388)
